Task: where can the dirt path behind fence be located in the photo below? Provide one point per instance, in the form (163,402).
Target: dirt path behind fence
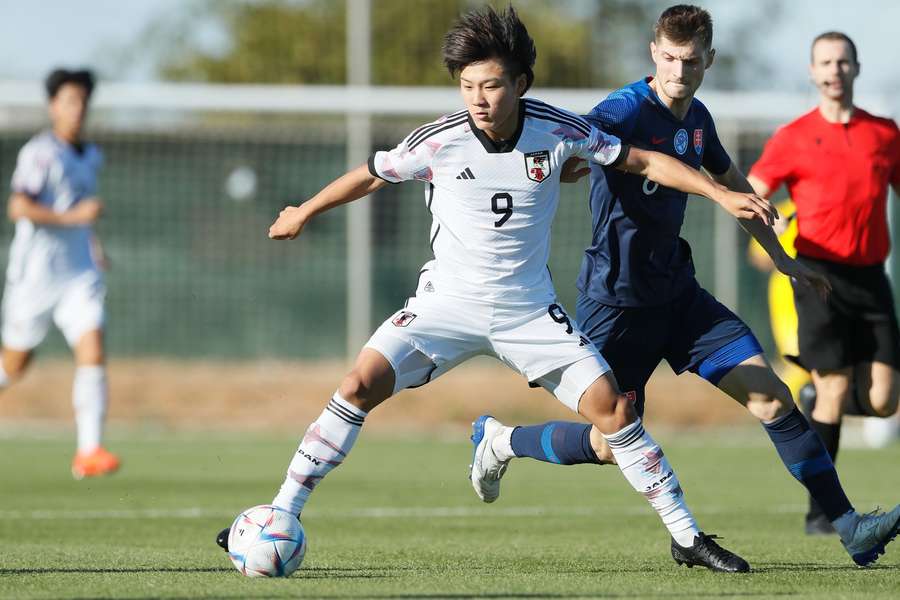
(285,396)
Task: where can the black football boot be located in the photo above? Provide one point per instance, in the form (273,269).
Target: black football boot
(222,539)
(707,553)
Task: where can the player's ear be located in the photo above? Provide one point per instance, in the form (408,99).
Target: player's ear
(521,84)
(710,57)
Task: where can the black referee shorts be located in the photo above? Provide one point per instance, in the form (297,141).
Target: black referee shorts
(856,324)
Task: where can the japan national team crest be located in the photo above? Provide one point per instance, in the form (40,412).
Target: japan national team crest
(537,165)
(403,318)
(698,141)
(681,141)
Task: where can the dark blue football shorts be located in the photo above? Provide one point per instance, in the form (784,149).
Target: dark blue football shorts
(695,332)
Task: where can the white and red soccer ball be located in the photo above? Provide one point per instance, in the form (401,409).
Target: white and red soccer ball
(266,541)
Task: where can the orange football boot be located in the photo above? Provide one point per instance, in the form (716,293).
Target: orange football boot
(94,463)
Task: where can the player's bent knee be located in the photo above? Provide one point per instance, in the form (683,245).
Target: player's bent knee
(89,350)
(605,407)
(352,387)
(884,411)
(357,390)
(367,389)
(774,402)
(884,392)
(883,401)
(15,363)
(15,370)
(767,407)
(773,409)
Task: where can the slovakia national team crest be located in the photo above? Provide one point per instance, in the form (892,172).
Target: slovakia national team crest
(537,165)
(403,318)
(681,141)
(698,141)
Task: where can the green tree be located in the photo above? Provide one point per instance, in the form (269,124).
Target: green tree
(273,41)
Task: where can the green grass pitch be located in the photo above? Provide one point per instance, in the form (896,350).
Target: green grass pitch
(399,520)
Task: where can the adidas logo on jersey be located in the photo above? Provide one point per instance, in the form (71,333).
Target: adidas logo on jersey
(467,174)
(428,287)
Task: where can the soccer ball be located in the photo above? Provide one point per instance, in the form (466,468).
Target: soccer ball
(266,541)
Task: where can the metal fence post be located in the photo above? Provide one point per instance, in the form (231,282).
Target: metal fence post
(725,234)
(359,144)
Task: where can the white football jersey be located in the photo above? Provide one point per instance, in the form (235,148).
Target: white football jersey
(57,175)
(493,203)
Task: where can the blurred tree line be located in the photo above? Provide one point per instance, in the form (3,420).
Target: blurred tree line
(581,43)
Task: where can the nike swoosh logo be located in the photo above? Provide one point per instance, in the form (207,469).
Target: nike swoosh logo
(657,141)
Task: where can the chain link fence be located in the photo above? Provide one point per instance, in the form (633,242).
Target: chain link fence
(190,195)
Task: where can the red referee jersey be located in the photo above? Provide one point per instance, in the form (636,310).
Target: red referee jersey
(838,176)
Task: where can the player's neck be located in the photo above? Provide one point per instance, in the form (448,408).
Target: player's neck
(838,110)
(505,130)
(73,138)
(677,106)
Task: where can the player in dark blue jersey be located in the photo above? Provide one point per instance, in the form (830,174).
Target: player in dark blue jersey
(640,303)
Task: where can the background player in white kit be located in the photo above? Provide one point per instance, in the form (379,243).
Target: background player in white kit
(493,186)
(54,271)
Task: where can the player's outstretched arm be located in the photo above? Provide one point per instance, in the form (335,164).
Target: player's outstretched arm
(670,172)
(765,235)
(349,187)
(23,206)
(757,184)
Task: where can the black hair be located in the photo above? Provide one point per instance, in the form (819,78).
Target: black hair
(60,77)
(479,36)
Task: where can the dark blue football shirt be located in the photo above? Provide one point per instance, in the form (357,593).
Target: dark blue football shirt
(636,256)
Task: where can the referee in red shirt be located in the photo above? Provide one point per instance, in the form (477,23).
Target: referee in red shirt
(837,162)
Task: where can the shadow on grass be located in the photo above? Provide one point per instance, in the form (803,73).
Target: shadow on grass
(88,570)
(813,567)
(552,595)
(311,573)
(436,596)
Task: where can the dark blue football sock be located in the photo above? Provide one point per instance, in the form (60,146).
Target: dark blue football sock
(558,442)
(803,453)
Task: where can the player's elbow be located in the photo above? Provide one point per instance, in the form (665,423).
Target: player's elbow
(15,210)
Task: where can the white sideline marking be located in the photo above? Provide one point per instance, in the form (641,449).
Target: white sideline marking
(376,512)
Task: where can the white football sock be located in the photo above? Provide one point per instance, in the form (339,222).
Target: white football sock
(645,467)
(89,400)
(502,444)
(324,447)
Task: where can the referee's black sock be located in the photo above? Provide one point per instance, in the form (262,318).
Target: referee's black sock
(831,438)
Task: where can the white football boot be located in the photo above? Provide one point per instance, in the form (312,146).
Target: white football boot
(486,469)
(872,533)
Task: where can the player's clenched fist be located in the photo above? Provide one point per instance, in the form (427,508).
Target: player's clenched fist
(288,224)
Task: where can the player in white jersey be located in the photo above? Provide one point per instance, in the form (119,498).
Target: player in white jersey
(54,272)
(493,173)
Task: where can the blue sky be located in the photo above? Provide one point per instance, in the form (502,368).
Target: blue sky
(40,34)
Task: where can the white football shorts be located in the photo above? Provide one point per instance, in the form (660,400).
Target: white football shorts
(76,307)
(434,333)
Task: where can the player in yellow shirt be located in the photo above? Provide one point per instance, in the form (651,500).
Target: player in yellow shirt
(782,312)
